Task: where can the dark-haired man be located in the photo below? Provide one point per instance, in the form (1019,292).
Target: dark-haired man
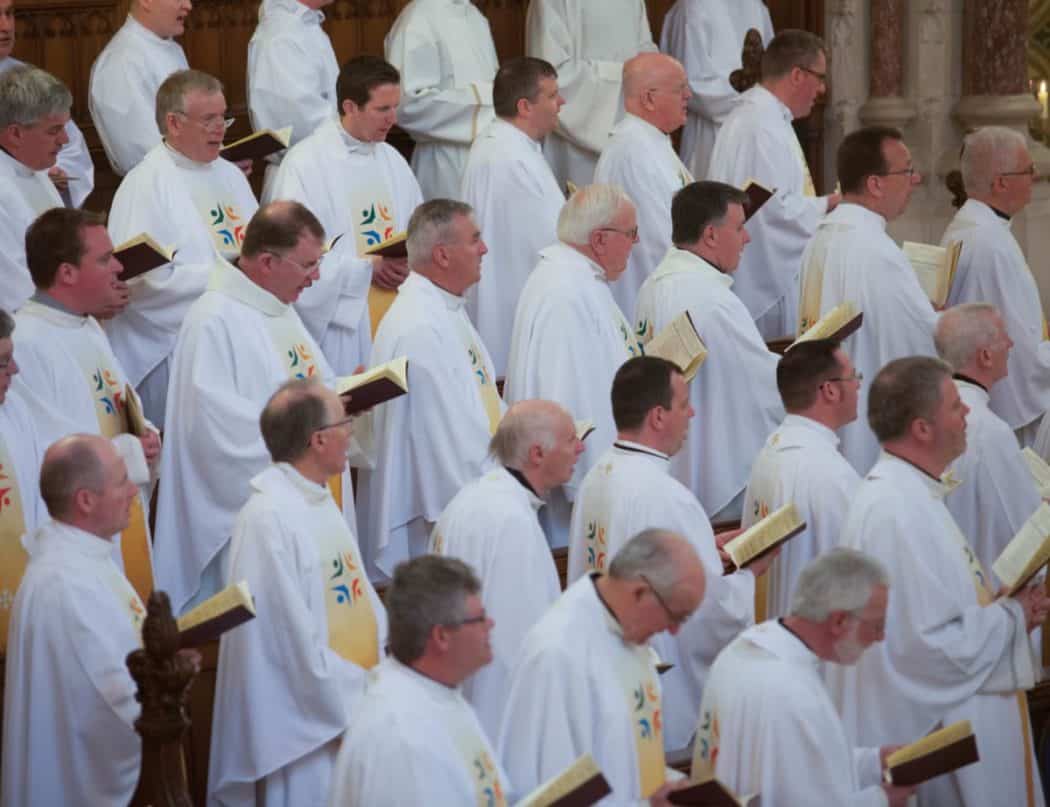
(360,188)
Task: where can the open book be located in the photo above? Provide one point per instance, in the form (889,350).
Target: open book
(141,254)
(1039,470)
(580,785)
(229,608)
(711,793)
(939,752)
(257,145)
(584,428)
(394,247)
(934,267)
(136,420)
(764,536)
(1027,552)
(757,195)
(378,385)
(837,324)
(679,343)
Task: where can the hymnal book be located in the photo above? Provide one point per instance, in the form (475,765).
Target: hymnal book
(378,385)
(141,254)
(763,537)
(679,343)
(580,785)
(136,420)
(1039,470)
(257,145)
(229,608)
(939,752)
(837,324)
(1027,552)
(757,195)
(394,247)
(711,793)
(584,429)
(934,267)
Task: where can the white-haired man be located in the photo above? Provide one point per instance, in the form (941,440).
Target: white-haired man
(569,334)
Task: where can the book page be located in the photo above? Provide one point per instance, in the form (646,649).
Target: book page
(395,370)
(758,537)
(680,344)
(1027,551)
(931,742)
(579,773)
(1039,470)
(830,324)
(136,420)
(233,596)
(928,262)
(583,429)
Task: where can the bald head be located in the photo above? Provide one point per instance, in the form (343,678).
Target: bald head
(656,90)
(84,483)
(538,438)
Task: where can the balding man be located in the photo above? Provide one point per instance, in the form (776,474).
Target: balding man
(126,75)
(298,672)
(585,680)
(996,493)
(640,159)
(569,334)
(493,525)
(69,701)
(952,650)
(185,196)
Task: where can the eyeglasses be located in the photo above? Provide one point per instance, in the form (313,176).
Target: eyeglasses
(672,617)
(1028,172)
(821,77)
(306,270)
(632,233)
(209,121)
(909,171)
(858,377)
(335,425)
(470,620)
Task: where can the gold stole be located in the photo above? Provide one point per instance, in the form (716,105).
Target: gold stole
(374,221)
(352,627)
(486,386)
(812,287)
(761,510)
(127,597)
(808,189)
(13,557)
(483,772)
(643,695)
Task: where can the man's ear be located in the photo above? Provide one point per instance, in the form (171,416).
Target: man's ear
(838,624)
(66,274)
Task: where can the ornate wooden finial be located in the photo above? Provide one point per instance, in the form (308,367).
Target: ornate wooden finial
(750,73)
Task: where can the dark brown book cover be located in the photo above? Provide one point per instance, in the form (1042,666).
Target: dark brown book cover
(395,247)
(944,760)
(757,196)
(663,667)
(711,793)
(139,258)
(257,146)
(368,395)
(213,628)
(590,792)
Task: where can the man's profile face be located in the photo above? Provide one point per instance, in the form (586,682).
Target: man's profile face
(464,250)
(1016,188)
(36,145)
(98,288)
(546,106)
(471,644)
(949,423)
(849,386)
(560,461)
(681,411)
(295,271)
(814,83)
(372,122)
(616,241)
(168,17)
(898,185)
(731,238)
(670,100)
(198,130)
(7,28)
(866,628)
(113,503)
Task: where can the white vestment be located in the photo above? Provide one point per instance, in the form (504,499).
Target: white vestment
(587,41)
(284,692)
(640,159)
(569,339)
(996,493)
(992,269)
(516,201)
(365,192)
(197,208)
(24,195)
(767,726)
(947,655)
(447,59)
(69,700)
(579,687)
(238,344)
(630,489)
(415,741)
(492,525)
(758,142)
(707,37)
(800,464)
(734,393)
(433,441)
(123,88)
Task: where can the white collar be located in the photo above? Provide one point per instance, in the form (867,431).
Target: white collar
(435,689)
(515,132)
(231,281)
(184,162)
(774,638)
(768,99)
(643,126)
(56,316)
(895,466)
(68,538)
(512,482)
(568,254)
(983,213)
(975,390)
(813,426)
(632,448)
(283,472)
(352,144)
(852,213)
(15,167)
(453,302)
(142,31)
(680,261)
(293,7)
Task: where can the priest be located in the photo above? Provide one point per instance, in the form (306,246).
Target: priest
(952,650)
(631,489)
(511,187)
(74,621)
(127,74)
(414,739)
(492,526)
(801,464)
(852,259)
(288,681)
(639,158)
(757,142)
(363,192)
(735,389)
(33,113)
(445,52)
(433,441)
(569,336)
(587,41)
(708,38)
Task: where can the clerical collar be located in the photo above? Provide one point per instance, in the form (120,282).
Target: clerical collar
(142,30)
(231,281)
(41,297)
(182,161)
(783,624)
(638,448)
(20,168)
(453,302)
(353,145)
(595,577)
(922,471)
(295,8)
(645,126)
(968,380)
(999,213)
(521,478)
(313,492)
(521,134)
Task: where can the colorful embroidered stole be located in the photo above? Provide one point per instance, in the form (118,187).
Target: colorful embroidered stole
(126,596)
(374,221)
(13,557)
(762,592)
(642,689)
(215,205)
(486,384)
(483,772)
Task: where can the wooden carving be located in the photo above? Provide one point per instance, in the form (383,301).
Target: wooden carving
(750,72)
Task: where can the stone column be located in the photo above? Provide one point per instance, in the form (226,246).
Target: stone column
(886,105)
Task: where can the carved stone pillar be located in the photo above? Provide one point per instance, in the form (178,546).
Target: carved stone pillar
(887,106)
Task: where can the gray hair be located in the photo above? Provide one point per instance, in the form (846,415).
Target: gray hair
(70,464)
(30,94)
(589,209)
(171,95)
(430,225)
(839,580)
(7,325)
(527,423)
(963,330)
(291,417)
(903,390)
(987,152)
(426,592)
(650,553)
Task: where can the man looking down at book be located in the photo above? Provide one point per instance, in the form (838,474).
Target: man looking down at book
(493,525)
(952,651)
(74,620)
(570,337)
(630,489)
(414,739)
(767,725)
(852,259)
(734,393)
(801,464)
(287,683)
